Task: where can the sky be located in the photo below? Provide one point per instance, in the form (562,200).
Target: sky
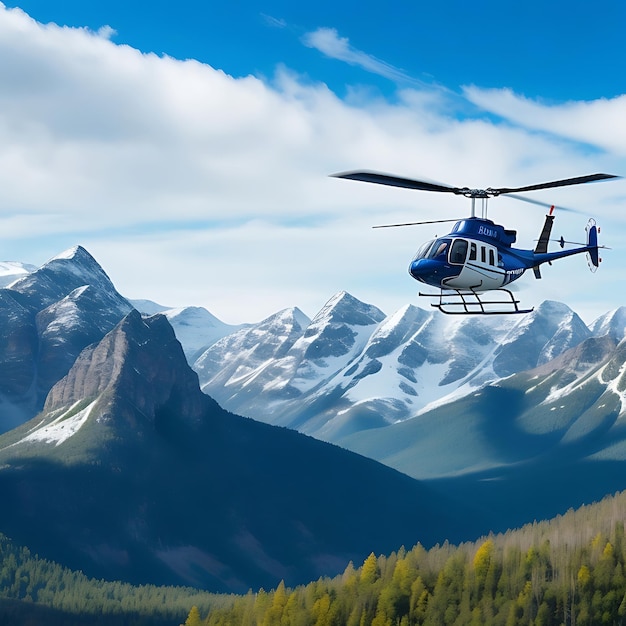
(188,146)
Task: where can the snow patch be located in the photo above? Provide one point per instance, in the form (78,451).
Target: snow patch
(62,428)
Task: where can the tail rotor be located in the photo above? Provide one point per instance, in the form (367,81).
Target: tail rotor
(593,258)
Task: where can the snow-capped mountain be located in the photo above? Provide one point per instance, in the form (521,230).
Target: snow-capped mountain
(195,327)
(238,359)
(571,407)
(47,316)
(266,367)
(353,368)
(612,323)
(524,447)
(11,271)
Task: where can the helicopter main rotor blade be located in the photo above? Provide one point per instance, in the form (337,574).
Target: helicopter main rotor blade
(547,205)
(395,181)
(423,185)
(415,223)
(579,180)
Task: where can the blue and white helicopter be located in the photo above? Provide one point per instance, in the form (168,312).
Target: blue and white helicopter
(473,263)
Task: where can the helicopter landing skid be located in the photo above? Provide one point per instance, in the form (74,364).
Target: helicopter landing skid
(469,302)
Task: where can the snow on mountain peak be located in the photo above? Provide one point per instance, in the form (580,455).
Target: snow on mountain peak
(11,271)
(78,264)
(612,323)
(70,253)
(343,307)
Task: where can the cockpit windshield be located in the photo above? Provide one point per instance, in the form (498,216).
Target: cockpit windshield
(424,248)
(439,247)
(432,249)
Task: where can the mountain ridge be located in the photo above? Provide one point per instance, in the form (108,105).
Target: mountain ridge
(399,366)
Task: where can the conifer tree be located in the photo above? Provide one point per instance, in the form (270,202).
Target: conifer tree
(194,619)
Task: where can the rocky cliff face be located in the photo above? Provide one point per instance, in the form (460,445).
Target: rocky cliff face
(138,369)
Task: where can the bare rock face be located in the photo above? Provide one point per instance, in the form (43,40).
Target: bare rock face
(138,370)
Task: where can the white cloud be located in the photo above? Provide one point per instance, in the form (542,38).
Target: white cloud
(328,42)
(193,187)
(106,32)
(600,123)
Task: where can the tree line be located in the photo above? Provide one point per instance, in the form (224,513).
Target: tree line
(568,571)
(35,590)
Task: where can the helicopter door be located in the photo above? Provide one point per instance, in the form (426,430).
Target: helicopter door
(480,266)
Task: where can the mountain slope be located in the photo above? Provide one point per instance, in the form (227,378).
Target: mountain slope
(132,473)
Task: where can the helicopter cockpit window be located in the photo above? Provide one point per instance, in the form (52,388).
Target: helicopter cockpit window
(458,252)
(424,248)
(439,247)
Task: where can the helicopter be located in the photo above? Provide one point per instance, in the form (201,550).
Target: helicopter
(472,265)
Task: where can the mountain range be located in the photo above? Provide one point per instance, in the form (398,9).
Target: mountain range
(124,456)
(352,368)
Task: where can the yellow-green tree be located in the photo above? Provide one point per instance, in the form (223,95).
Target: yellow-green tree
(369,571)
(193,619)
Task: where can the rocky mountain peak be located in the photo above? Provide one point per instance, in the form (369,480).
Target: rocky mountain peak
(345,308)
(137,370)
(58,277)
(541,336)
(612,323)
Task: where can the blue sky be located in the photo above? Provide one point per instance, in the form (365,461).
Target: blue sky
(191,141)
(549,50)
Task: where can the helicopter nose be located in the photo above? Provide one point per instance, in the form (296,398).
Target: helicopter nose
(422,269)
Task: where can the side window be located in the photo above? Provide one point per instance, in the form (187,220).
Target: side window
(492,258)
(483,254)
(472,256)
(458,252)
